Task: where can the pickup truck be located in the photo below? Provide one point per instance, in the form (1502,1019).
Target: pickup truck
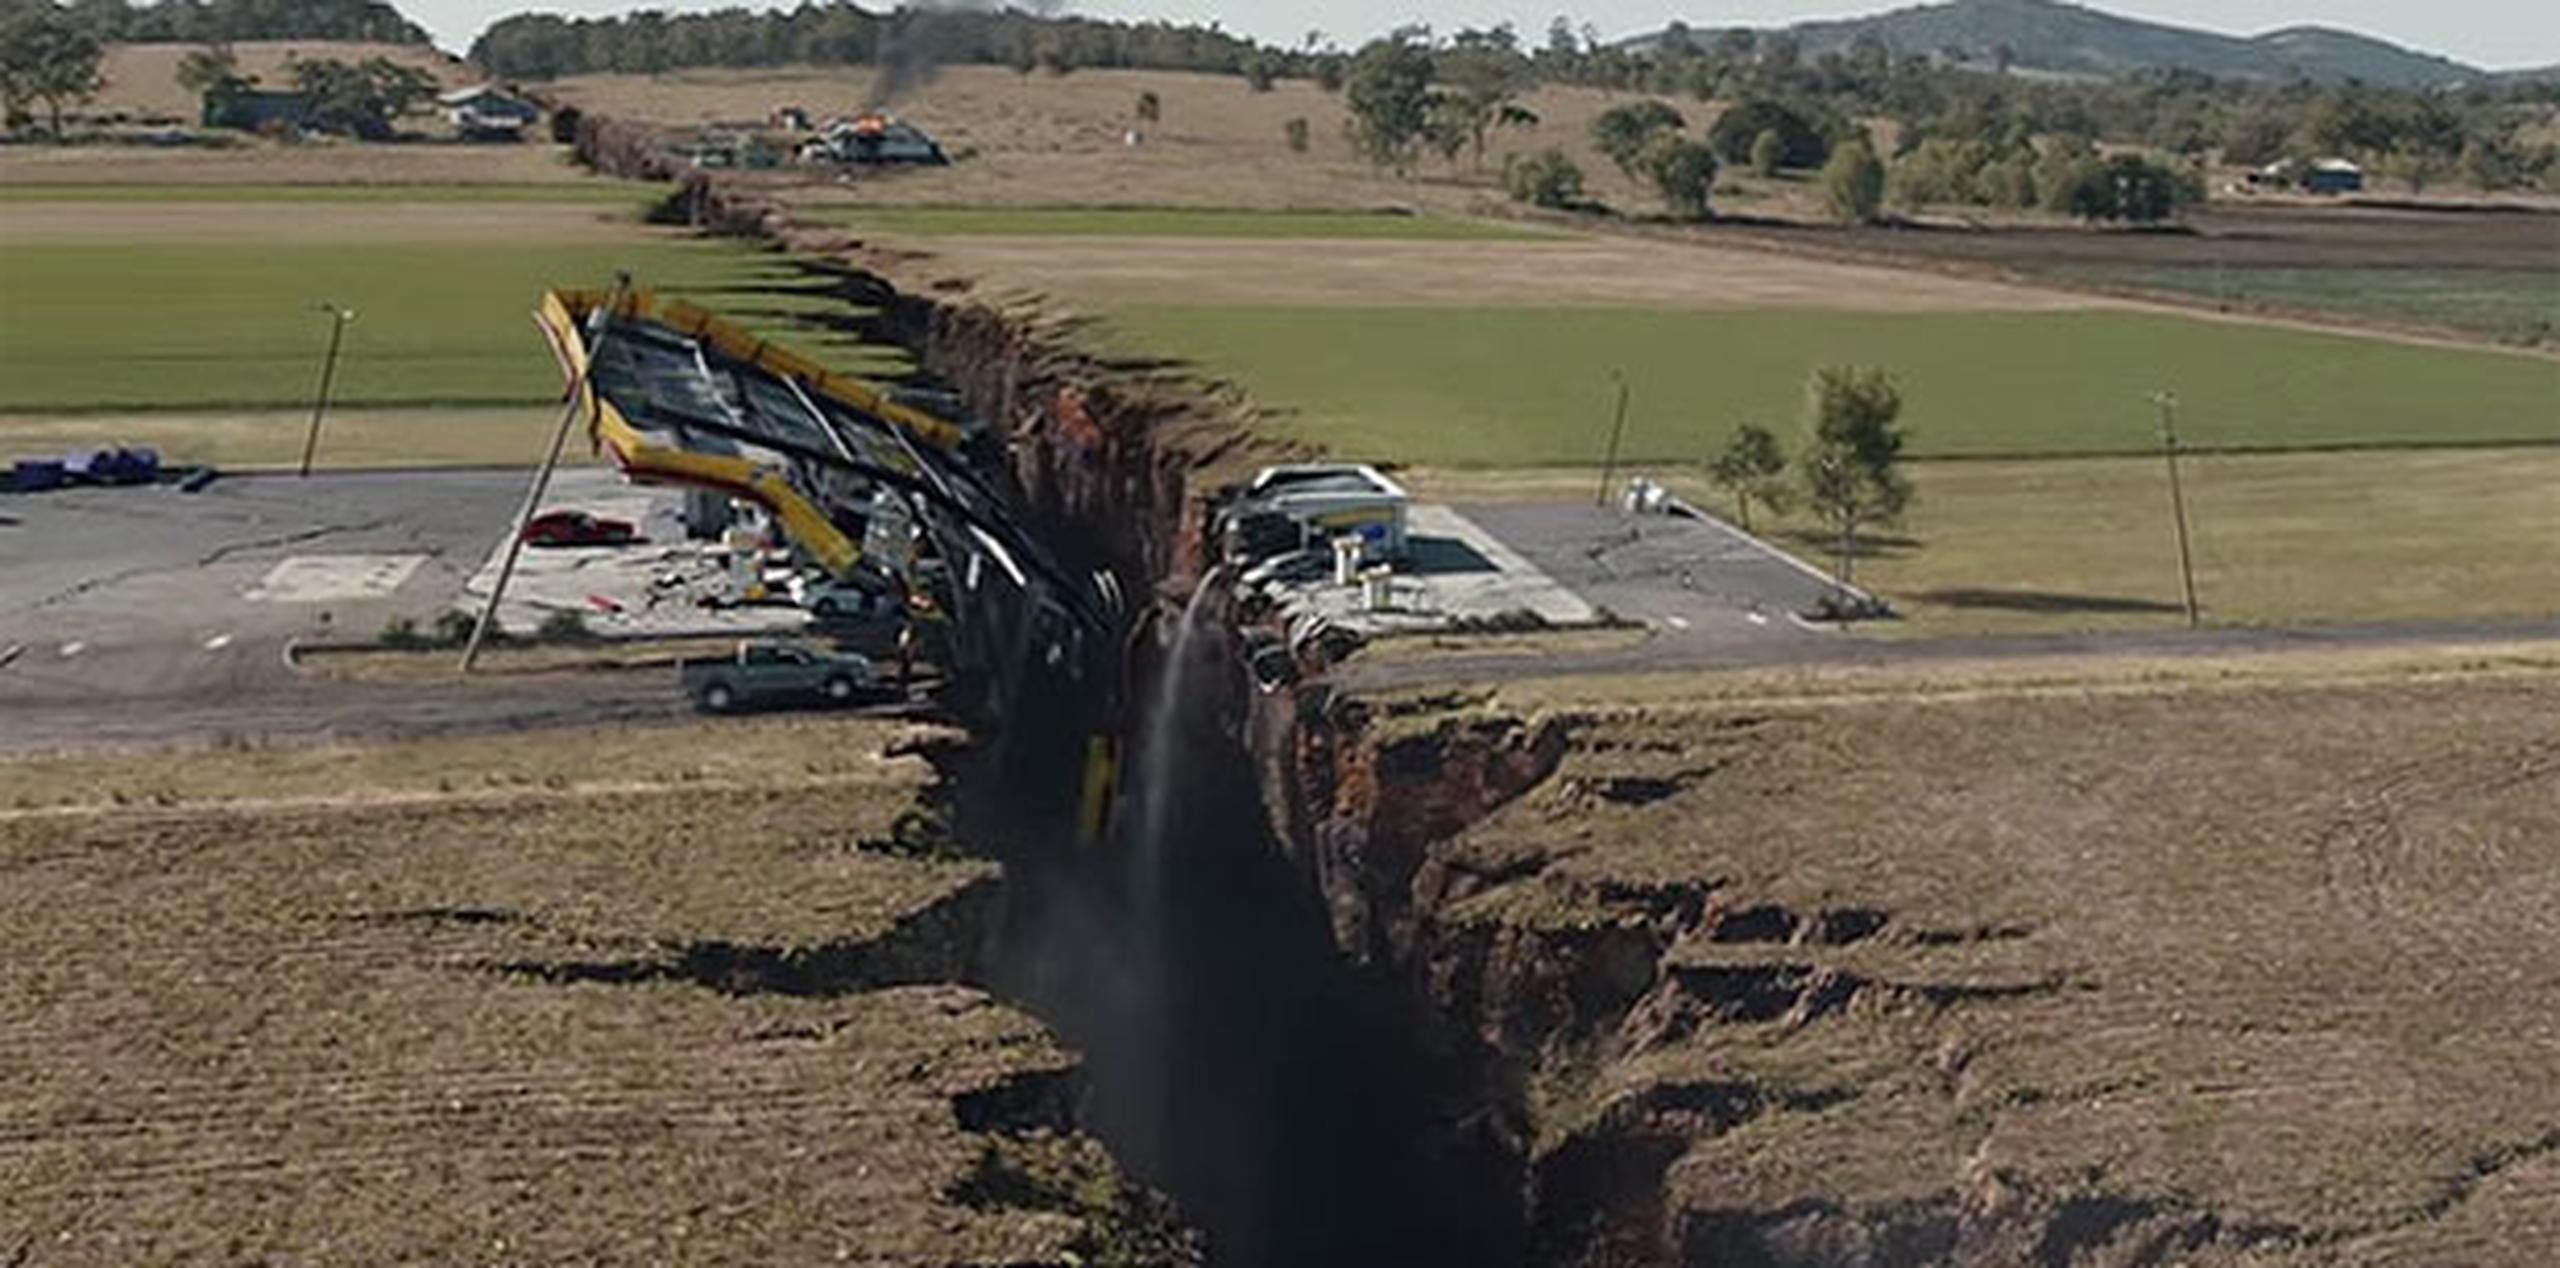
(766,671)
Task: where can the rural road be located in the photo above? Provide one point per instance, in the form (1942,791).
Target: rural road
(315,710)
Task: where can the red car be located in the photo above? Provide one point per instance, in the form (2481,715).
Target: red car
(577,528)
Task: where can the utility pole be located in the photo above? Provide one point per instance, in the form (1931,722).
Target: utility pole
(1617,433)
(2168,403)
(338,319)
(603,322)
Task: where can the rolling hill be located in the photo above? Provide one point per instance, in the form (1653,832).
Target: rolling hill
(2048,35)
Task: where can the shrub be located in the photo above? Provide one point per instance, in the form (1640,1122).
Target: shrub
(402,633)
(1768,154)
(1685,173)
(1150,107)
(453,627)
(1297,132)
(568,625)
(1623,132)
(1545,179)
(1853,184)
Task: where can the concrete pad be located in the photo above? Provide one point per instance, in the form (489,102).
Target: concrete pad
(650,587)
(334,578)
(1455,573)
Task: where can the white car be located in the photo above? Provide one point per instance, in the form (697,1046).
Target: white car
(841,601)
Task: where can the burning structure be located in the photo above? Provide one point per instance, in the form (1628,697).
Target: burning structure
(874,139)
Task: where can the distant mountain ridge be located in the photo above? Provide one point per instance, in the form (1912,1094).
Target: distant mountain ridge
(2049,35)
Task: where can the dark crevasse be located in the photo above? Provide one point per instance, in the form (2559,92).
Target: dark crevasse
(1287,1098)
(1291,1101)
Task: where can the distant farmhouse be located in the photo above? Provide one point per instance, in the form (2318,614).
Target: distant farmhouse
(486,112)
(2325,176)
(2334,176)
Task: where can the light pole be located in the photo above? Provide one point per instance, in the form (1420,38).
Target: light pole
(600,326)
(1617,432)
(2168,404)
(338,319)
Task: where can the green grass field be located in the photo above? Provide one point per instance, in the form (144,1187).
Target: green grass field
(123,327)
(2012,547)
(1143,222)
(573,191)
(1526,387)
(2507,303)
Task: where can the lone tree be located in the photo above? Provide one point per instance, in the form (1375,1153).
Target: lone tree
(212,71)
(1852,461)
(360,99)
(1388,92)
(1623,132)
(47,56)
(2127,189)
(1683,171)
(1482,73)
(1753,468)
(1853,183)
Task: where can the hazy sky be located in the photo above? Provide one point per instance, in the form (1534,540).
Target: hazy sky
(2495,33)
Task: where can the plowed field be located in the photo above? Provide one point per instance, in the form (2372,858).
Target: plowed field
(646,995)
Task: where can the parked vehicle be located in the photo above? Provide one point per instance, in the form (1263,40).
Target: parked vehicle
(775,671)
(830,600)
(578,528)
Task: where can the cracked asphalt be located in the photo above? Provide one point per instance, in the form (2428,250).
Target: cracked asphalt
(136,616)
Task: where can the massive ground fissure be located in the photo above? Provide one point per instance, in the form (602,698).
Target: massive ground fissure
(1344,993)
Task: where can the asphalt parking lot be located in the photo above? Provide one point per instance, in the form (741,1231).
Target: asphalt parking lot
(150,591)
(1693,581)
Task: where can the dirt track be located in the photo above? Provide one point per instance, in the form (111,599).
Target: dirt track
(265,163)
(31,223)
(1567,271)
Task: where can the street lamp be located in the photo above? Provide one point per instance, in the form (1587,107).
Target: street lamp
(338,319)
(2168,406)
(1617,433)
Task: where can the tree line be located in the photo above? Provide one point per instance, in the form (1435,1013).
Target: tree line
(1985,127)
(544,45)
(1961,134)
(217,21)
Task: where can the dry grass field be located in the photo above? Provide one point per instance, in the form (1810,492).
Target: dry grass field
(2005,547)
(2249,972)
(308,163)
(1061,140)
(1563,272)
(642,994)
(142,79)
